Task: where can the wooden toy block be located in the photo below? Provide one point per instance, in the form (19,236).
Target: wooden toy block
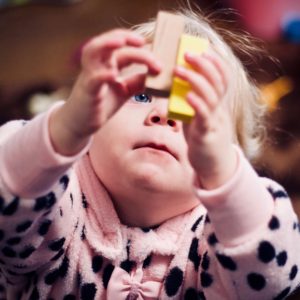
(168,30)
(178,107)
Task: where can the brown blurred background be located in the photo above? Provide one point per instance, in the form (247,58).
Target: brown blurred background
(39,56)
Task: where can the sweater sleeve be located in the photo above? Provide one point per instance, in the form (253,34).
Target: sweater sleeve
(253,239)
(36,186)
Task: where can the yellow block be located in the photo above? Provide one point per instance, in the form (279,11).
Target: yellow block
(178,107)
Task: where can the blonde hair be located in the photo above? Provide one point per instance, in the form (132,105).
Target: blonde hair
(244,104)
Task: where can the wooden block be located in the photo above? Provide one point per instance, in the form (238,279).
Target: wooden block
(168,30)
(178,107)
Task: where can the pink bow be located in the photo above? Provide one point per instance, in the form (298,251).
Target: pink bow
(124,286)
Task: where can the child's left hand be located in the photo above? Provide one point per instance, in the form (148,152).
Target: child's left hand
(210,133)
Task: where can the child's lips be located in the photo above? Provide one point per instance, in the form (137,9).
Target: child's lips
(160,147)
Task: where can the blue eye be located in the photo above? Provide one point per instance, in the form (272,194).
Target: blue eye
(143,98)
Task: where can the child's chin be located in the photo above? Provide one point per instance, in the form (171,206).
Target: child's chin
(157,176)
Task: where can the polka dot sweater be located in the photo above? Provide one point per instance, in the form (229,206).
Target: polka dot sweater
(60,236)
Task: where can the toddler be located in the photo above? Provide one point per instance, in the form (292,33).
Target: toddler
(105,197)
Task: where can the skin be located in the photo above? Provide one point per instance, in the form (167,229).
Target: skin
(148,163)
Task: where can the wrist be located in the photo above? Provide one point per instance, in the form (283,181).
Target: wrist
(220,170)
(63,137)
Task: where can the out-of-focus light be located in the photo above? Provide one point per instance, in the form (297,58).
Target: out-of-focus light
(291,28)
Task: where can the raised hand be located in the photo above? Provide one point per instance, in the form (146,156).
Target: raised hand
(209,135)
(100,89)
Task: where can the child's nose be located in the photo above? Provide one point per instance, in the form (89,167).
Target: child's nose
(158,115)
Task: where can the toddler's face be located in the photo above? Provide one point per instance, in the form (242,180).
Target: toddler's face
(139,147)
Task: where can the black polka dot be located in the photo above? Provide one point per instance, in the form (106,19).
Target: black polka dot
(206,279)
(194,257)
(1,203)
(72,199)
(11,208)
(147,261)
(194,227)
(201,296)
(76,225)
(56,273)
(2,234)
(295,225)
(173,281)
(57,244)
(277,194)
(148,229)
(128,247)
(145,229)
(46,213)
(88,291)
(83,234)
(205,262)
(256,281)
(207,219)
(266,252)
(14,241)
(9,252)
(69,297)
(212,239)
(191,294)
(282,295)
(127,265)
(84,201)
(64,267)
(26,252)
(35,295)
(58,255)
(52,277)
(78,279)
(23,226)
(44,227)
(64,181)
(274,223)
(106,274)
(227,262)
(281,258)
(44,202)
(293,272)
(97,262)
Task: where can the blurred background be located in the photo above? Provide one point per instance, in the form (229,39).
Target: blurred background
(40,44)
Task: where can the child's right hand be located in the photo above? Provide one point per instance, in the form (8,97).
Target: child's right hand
(87,108)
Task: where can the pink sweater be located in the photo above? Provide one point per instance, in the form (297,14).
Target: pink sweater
(60,236)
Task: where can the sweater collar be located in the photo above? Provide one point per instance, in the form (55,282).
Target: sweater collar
(109,237)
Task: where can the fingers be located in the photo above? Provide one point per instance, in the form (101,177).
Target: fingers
(200,86)
(208,77)
(101,47)
(129,55)
(211,67)
(94,80)
(202,111)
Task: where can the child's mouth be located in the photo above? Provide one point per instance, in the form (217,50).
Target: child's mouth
(159,147)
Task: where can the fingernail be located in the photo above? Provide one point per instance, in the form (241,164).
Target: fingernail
(158,65)
(180,69)
(190,56)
